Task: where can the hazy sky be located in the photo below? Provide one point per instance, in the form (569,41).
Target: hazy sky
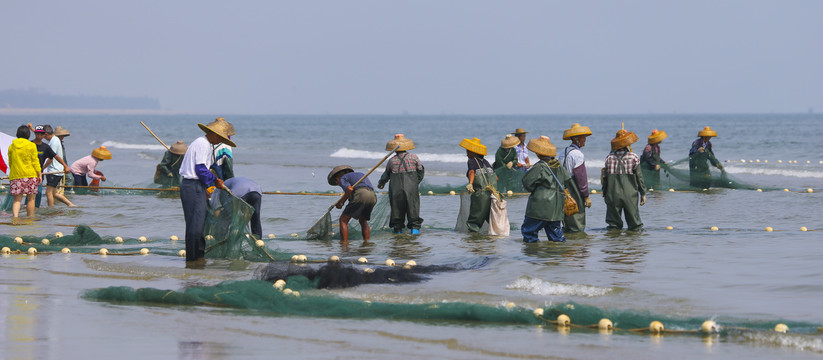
(424,57)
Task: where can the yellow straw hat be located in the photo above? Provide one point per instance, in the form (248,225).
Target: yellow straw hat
(336,170)
(101,153)
(657,136)
(399,139)
(474,146)
(221,128)
(624,138)
(576,130)
(707,131)
(519,131)
(60,131)
(179,147)
(231,126)
(542,146)
(509,141)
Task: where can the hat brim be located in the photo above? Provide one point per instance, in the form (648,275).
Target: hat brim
(223,139)
(334,174)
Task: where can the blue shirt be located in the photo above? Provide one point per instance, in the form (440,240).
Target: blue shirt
(240,186)
(351,178)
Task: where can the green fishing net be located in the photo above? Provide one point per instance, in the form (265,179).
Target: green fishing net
(676,175)
(325,227)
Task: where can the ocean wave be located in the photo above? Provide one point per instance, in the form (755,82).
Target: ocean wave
(541,287)
(793,341)
(119,145)
(774,172)
(424,157)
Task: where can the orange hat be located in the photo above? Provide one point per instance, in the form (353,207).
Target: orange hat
(623,138)
(657,136)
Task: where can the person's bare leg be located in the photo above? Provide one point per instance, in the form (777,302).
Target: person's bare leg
(15,206)
(30,202)
(364,227)
(51,193)
(344,228)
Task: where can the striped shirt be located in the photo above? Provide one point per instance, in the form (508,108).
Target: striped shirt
(629,162)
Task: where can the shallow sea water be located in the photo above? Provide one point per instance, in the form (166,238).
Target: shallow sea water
(739,275)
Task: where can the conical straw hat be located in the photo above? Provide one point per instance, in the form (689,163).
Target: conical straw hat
(519,131)
(707,131)
(624,138)
(474,146)
(179,147)
(509,141)
(576,130)
(231,126)
(399,139)
(101,153)
(336,170)
(60,131)
(657,136)
(542,146)
(221,128)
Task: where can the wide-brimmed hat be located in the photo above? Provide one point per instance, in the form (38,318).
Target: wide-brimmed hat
(519,131)
(474,145)
(576,130)
(657,136)
(624,138)
(60,131)
(337,169)
(179,147)
(399,139)
(231,126)
(707,131)
(221,128)
(101,153)
(542,146)
(509,141)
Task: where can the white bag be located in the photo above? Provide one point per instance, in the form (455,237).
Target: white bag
(499,218)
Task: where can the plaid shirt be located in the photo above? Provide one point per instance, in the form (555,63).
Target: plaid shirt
(403,163)
(630,162)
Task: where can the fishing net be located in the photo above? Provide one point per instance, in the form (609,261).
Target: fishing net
(510,180)
(227,231)
(335,274)
(676,175)
(323,229)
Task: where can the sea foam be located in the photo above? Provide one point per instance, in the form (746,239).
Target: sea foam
(119,145)
(541,287)
(424,157)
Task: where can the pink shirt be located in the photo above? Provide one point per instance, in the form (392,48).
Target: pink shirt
(85,166)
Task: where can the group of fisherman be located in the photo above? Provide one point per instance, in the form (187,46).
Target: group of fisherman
(549,181)
(42,160)
(207,164)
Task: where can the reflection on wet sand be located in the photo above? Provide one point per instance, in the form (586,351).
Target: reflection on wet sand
(625,251)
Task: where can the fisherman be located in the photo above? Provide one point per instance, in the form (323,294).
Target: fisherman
(575,164)
(61,134)
(650,161)
(545,181)
(198,183)
(223,158)
(622,183)
(168,170)
(57,168)
(358,190)
(46,156)
(86,166)
(404,172)
(506,154)
(24,171)
(482,182)
(700,155)
(252,194)
(522,154)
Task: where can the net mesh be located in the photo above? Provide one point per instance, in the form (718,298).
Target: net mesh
(676,175)
(323,229)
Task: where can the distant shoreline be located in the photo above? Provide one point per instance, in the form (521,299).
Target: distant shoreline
(35,111)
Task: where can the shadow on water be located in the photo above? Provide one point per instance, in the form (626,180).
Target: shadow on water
(480,244)
(625,251)
(573,252)
(405,246)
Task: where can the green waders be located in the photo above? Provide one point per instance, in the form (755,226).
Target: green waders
(481,199)
(622,194)
(404,198)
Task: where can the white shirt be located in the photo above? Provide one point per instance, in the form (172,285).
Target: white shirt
(57,147)
(573,158)
(522,153)
(199,152)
